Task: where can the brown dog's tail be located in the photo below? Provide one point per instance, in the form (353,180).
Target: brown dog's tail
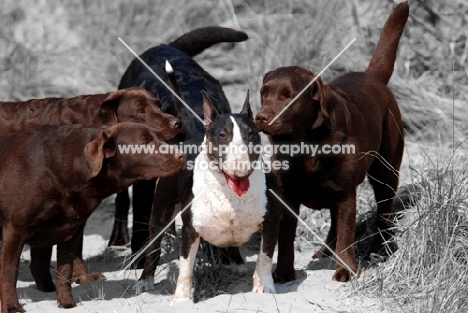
(381,64)
(194,42)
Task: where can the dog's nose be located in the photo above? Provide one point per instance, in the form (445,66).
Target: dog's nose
(262,117)
(175,123)
(180,156)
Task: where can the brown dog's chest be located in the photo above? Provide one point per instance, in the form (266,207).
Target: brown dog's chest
(317,187)
(58,222)
(314,193)
(320,180)
(52,234)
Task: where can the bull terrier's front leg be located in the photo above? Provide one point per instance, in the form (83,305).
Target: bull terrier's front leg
(262,277)
(188,252)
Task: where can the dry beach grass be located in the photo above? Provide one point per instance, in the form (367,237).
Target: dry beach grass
(70,47)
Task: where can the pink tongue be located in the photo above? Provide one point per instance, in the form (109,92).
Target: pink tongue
(240,186)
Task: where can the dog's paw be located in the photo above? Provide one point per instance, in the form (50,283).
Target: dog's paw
(265,288)
(144,285)
(65,302)
(176,300)
(47,287)
(281,278)
(184,291)
(263,284)
(343,275)
(14,308)
(96,276)
(321,253)
(86,279)
(238,269)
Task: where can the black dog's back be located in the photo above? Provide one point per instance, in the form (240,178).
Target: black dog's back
(191,77)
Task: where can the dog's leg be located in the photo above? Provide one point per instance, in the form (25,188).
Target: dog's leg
(383,176)
(40,268)
(143,193)
(81,275)
(345,230)
(236,261)
(119,235)
(384,196)
(190,242)
(9,263)
(65,257)
(330,240)
(287,232)
(163,210)
(263,278)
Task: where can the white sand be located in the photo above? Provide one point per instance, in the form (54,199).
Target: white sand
(313,291)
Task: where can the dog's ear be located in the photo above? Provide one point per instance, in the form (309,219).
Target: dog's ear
(321,92)
(209,111)
(107,114)
(246,107)
(102,147)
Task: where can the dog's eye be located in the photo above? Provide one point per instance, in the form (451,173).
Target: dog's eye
(286,93)
(222,134)
(141,111)
(251,133)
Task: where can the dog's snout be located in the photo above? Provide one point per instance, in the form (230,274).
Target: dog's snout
(175,123)
(182,159)
(180,156)
(262,117)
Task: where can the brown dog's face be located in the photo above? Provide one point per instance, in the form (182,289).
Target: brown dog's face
(140,106)
(133,151)
(279,88)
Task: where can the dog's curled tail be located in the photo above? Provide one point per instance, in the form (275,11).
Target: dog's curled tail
(194,42)
(381,64)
